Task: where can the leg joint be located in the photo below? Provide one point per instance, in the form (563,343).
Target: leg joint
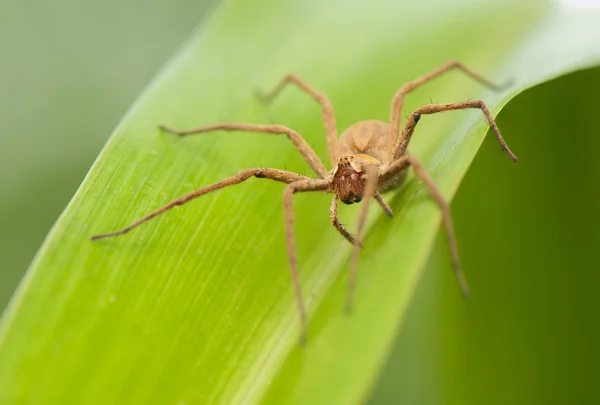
(333,218)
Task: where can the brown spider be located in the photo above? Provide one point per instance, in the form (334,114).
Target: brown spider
(369,158)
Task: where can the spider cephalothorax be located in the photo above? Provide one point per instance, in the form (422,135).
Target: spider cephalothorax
(348,180)
(370,157)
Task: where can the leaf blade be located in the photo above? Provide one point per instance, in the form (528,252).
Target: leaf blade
(234,324)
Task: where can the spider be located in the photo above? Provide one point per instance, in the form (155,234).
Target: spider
(369,158)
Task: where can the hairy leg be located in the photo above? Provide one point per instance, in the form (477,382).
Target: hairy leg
(421,173)
(398,100)
(303,147)
(386,208)
(272,174)
(333,210)
(288,206)
(413,119)
(326,110)
(369,192)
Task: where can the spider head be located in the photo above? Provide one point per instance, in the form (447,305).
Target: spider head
(348,181)
(349,177)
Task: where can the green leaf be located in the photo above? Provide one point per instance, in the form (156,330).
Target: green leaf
(197,306)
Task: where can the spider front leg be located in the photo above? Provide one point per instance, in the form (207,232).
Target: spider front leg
(272,174)
(301,145)
(333,211)
(398,100)
(386,208)
(296,183)
(333,215)
(370,190)
(399,148)
(288,206)
(401,164)
(326,110)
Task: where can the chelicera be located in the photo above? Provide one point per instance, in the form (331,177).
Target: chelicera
(369,158)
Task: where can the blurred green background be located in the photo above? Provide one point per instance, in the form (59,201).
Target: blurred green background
(526,232)
(69,71)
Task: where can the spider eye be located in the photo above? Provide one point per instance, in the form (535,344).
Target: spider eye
(351,199)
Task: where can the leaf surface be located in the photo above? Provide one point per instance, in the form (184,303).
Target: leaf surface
(197,306)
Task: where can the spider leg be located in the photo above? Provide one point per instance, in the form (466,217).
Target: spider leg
(398,100)
(333,210)
(301,145)
(302,185)
(326,110)
(369,192)
(401,164)
(272,174)
(402,144)
(386,208)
